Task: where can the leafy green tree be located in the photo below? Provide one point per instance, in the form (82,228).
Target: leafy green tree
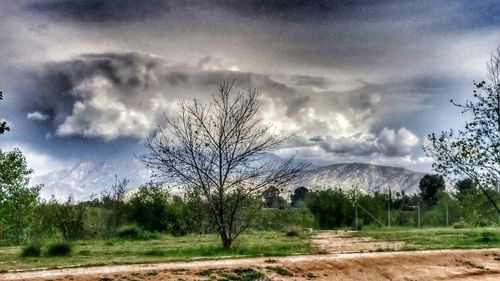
(465,187)
(17,198)
(299,194)
(70,219)
(3,125)
(272,198)
(155,210)
(430,188)
(474,151)
(148,208)
(332,208)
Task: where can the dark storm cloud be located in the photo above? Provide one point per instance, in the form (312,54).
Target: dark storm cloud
(131,10)
(85,96)
(317,11)
(465,14)
(102,10)
(310,81)
(292,10)
(113,95)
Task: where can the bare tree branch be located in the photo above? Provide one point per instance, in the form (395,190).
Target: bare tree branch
(218,150)
(474,152)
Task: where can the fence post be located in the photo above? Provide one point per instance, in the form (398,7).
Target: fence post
(389,209)
(356,216)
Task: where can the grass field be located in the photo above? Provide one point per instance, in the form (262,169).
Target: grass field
(165,248)
(437,238)
(251,244)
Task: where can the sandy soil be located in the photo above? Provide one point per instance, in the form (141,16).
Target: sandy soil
(342,242)
(421,265)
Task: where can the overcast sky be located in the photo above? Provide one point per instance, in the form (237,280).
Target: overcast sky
(363,81)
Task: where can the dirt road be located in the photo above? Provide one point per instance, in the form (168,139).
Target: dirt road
(421,265)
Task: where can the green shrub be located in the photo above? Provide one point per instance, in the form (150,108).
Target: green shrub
(487,237)
(461,224)
(249,274)
(205,272)
(32,250)
(155,253)
(85,253)
(279,219)
(59,249)
(134,232)
(129,232)
(280,270)
(293,230)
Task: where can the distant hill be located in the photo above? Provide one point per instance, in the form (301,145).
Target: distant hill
(87,178)
(367,177)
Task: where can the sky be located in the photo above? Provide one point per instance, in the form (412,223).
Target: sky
(347,81)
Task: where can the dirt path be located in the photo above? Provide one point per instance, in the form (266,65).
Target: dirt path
(420,265)
(335,242)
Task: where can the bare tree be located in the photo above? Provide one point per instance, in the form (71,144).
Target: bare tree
(3,124)
(218,151)
(474,152)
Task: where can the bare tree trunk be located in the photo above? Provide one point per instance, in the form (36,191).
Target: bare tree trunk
(217,150)
(227,241)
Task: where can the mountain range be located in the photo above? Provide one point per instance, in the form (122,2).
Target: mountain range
(85,179)
(367,177)
(88,178)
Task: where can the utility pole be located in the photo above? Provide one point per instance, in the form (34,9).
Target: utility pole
(356,215)
(389,209)
(446,214)
(355,208)
(418,213)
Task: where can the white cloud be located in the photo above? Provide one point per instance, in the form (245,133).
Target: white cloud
(40,162)
(102,114)
(216,63)
(37,116)
(396,143)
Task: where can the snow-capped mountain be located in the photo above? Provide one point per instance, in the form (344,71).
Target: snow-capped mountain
(87,178)
(366,177)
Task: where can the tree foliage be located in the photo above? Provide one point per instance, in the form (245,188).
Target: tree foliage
(17,198)
(465,187)
(430,188)
(218,150)
(298,195)
(272,198)
(3,124)
(474,151)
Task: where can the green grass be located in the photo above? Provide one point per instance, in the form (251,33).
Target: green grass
(164,248)
(280,270)
(437,238)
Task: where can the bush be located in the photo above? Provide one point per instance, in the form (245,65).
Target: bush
(148,208)
(154,210)
(461,224)
(68,218)
(129,232)
(59,249)
(280,270)
(32,250)
(133,232)
(487,237)
(279,219)
(293,230)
